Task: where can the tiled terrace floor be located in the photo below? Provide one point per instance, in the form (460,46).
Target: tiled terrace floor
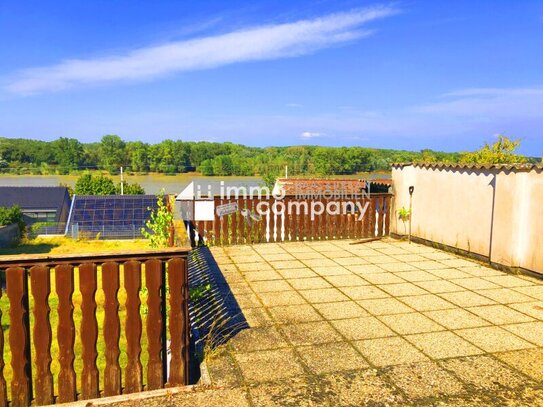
(382,323)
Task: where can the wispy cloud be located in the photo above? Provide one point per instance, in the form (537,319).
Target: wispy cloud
(253,44)
(310,134)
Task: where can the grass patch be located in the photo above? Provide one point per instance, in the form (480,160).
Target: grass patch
(66,245)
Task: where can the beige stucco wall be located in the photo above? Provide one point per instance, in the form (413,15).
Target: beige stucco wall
(461,208)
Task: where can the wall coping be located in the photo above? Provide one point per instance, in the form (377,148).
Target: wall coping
(524,167)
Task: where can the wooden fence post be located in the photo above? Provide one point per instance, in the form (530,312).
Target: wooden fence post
(178,321)
(153,282)
(89,330)
(64,281)
(132,284)
(3,386)
(112,328)
(40,283)
(19,336)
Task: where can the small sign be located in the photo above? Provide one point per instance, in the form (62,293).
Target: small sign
(226,209)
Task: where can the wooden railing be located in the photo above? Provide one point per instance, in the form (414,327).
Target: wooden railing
(276,227)
(38,336)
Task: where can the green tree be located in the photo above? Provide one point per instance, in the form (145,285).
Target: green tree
(206,167)
(87,184)
(502,151)
(130,189)
(69,154)
(3,163)
(113,154)
(138,153)
(222,165)
(269,179)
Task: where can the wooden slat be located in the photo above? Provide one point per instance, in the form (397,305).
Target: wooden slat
(3,385)
(112,328)
(287,219)
(241,222)
(341,224)
(388,214)
(40,283)
(217,225)
(256,228)
(64,284)
(234,226)
(372,217)
(280,217)
(263,224)
(300,222)
(178,322)
(311,229)
(327,221)
(224,228)
(19,341)
(322,227)
(153,282)
(293,223)
(256,224)
(88,285)
(381,227)
(132,284)
(366,219)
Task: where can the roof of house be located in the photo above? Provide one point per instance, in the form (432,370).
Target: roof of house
(521,167)
(34,198)
(295,186)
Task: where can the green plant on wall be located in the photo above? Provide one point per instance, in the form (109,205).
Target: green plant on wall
(159,224)
(404,214)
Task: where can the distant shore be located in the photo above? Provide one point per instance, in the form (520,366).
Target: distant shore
(152,182)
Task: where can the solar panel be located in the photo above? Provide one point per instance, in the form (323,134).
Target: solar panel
(113,215)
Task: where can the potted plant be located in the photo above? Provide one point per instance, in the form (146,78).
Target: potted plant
(404,214)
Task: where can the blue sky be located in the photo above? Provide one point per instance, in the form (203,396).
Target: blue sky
(408,74)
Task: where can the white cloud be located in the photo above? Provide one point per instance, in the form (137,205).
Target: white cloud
(310,134)
(253,44)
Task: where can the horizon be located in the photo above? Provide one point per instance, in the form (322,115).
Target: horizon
(268,146)
(407,75)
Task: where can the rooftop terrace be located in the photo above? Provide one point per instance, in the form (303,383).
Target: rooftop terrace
(381,323)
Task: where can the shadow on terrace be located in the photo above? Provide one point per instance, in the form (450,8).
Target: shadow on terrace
(215,315)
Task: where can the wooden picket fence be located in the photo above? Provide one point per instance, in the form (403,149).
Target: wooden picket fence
(238,228)
(31,331)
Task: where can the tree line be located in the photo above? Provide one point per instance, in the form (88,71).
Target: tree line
(66,155)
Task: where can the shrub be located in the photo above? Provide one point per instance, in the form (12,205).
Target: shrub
(159,224)
(404,214)
(12,215)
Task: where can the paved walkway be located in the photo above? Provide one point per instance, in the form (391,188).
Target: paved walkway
(382,323)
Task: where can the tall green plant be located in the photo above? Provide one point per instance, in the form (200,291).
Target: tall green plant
(159,224)
(404,214)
